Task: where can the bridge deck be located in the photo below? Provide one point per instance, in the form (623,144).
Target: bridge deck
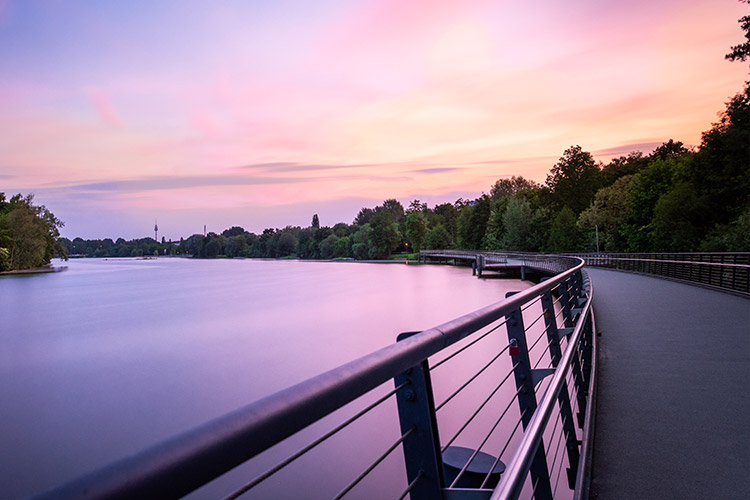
(673,413)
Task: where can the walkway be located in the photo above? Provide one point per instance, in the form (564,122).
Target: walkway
(673,412)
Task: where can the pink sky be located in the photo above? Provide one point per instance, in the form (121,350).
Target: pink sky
(233,113)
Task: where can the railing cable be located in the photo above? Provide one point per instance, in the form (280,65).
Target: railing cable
(505,447)
(484,441)
(312,445)
(455,436)
(467,345)
(474,377)
(408,489)
(374,464)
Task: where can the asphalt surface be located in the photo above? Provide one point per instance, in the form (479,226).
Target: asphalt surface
(673,410)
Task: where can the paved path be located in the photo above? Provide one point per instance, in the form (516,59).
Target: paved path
(673,412)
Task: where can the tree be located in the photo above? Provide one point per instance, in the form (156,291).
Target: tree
(517,222)
(384,237)
(328,246)
(395,208)
(574,180)
(236,245)
(416,230)
(439,238)
(29,234)
(564,235)
(609,212)
(287,244)
(505,188)
(472,223)
(233,231)
(646,189)
(623,166)
(364,216)
(342,247)
(742,51)
(315,221)
(669,150)
(495,229)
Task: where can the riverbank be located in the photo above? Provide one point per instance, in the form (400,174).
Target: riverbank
(35,270)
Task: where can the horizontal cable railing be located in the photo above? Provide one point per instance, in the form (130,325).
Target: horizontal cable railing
(494,365)
(729,271)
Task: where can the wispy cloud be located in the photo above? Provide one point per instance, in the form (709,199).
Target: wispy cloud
(436,170)
(299,167)
(625,149)
(179,182)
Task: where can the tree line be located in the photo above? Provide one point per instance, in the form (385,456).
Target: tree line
(673,199)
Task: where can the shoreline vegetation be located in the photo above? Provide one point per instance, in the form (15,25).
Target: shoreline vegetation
(675,199)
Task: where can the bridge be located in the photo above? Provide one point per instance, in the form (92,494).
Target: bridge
(647,399)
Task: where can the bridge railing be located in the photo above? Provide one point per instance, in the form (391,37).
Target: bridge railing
(729,271)
(513,384)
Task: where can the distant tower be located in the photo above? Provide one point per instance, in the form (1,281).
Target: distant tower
(204,230)
(156,231)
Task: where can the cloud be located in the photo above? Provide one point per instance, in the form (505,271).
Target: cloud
(180,182)
(300,167)
(102,103)
(625,149)
(436,170)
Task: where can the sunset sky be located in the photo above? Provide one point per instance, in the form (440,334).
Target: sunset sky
(260,114)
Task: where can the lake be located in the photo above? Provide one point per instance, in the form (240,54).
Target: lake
(111,356)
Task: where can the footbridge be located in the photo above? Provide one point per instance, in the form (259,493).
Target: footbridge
(534,396)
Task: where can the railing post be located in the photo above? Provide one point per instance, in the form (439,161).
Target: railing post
(525,383)
(566,411)
(416,409)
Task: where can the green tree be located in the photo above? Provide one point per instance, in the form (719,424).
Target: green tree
(564,235)
(364,216)
(342,247)
(287,244)
(472,223)
(384,236)
(29,234)
(574,180)
(395,208)
(517,221)
(328,246)
(742,51)
(416,230)
(505,188)
(646,189)
(439,238)
(609,212)
(315,221)
(236,245)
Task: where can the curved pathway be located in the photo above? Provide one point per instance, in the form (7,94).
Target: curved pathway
(673,410)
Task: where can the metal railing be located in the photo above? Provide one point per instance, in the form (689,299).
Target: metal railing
(550,362)
(728,271)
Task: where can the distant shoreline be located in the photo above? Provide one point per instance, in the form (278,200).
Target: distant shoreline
(34,270)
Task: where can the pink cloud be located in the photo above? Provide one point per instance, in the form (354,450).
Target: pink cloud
(102,103)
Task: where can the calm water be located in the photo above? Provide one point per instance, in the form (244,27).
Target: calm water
(111,356)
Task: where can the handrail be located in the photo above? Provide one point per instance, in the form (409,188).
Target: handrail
(512,481)
(727,271)
(184,463)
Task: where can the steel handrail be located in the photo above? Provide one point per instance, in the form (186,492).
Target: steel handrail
(513,479)
(182,464)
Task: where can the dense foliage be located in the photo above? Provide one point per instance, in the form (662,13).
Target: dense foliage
(29,235)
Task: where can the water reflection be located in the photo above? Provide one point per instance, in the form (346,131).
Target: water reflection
(111,356)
